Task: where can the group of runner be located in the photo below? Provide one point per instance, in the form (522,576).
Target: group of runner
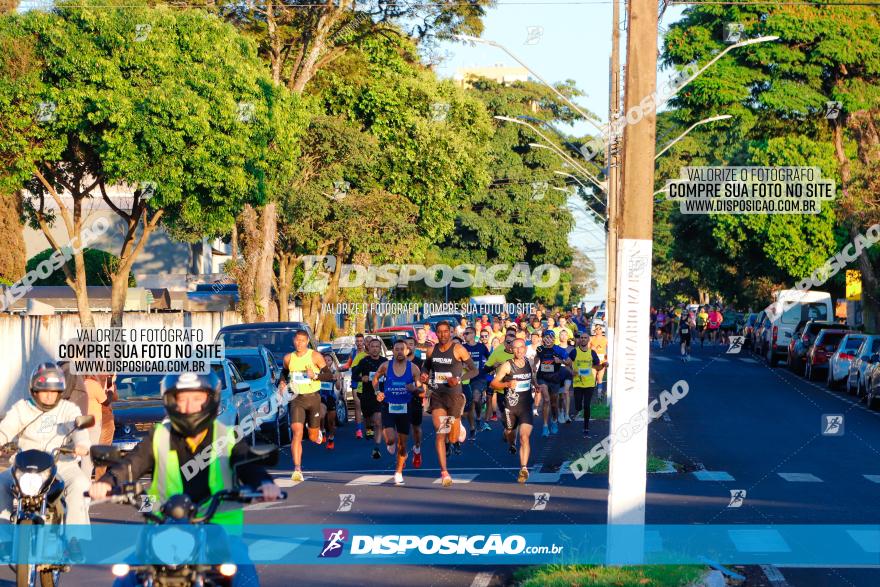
(683,324)
(513,370)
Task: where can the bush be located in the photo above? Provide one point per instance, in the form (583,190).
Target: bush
(99,267)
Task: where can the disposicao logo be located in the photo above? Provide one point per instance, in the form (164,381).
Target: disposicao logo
(334,542)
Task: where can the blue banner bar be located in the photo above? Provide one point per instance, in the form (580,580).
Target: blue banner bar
(138,544)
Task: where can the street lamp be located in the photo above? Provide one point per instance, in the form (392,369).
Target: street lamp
(568,161)
(587,206)
(574,106)
(692,127)
(558,133)
(574,177)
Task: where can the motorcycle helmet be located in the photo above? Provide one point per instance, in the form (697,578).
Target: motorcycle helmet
(47,377)
(191,424)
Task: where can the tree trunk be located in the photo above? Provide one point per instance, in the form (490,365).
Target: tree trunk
(263,279)
(86,320)
(14,258)
(245,270)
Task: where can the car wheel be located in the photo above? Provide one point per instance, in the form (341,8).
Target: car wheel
(829,382)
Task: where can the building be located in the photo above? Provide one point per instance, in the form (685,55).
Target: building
(502,74)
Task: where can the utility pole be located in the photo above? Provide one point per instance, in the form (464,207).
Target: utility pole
(628,460)
(612,160)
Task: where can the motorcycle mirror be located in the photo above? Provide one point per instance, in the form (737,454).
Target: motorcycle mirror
(104,454)
(83,422)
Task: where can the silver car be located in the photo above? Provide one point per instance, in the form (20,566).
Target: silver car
(861,365)
(840,360)
(260,371)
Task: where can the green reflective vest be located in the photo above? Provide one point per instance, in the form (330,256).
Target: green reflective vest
(168,480)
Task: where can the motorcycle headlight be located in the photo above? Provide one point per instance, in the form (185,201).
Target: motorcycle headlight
(30,483)
(173,546)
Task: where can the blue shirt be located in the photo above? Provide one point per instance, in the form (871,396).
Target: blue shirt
(479,353)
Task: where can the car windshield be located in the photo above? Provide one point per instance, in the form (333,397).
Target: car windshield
(279,341)
(220,372)
(251,367)
(853,343)
(138,386)
(832,339)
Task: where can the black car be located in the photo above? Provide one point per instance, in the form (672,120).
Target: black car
(275,336)
(803,338)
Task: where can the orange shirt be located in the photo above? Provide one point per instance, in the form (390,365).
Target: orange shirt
(599,344)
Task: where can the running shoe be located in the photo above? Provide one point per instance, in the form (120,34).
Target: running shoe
(417,460)
(511,449)
(554,428)
(320,437)
(376,454)
(485,427)
(445,479)
(370,433)
(568,419)
(586,433)
(391,449)
(473,434)
(398,479)
(523,475)
(330,444)
(359,434)
(494,418)
(297,476)
(546,432)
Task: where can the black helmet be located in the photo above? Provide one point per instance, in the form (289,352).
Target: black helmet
(47,377)
(191,424)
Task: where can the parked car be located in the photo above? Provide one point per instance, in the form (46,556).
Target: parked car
(872,381)
(260,370)
(388,338)
(758,334)
(804,335)
(275,336)
(861,364)
(820,352)
(840,361)
(140,407)
(810,305)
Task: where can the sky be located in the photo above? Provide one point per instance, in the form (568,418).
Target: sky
(559,39)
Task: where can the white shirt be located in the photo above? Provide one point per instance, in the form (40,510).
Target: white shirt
(46,429)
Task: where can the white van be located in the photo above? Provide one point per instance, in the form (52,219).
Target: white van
(789,307)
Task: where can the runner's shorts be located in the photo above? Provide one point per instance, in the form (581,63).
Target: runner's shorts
(479,386)
(306,409)
(518,414)
(369,404)
(452,403)
(416,411)
(330,402)
(552,387)
(400,422)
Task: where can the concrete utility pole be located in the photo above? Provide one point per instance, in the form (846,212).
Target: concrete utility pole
(628,461)
(612,160)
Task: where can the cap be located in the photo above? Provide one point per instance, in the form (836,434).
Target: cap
(549,333)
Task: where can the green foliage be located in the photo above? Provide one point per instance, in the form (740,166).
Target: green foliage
(100,266)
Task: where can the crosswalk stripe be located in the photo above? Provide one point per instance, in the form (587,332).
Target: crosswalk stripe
(460,478)
(750,360)
(663,358)
(868,540)
(482,579)
(370,480)
(872,478)
(758,541)
(800,477)
(713,476)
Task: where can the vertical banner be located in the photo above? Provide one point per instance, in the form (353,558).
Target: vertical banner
(627,474)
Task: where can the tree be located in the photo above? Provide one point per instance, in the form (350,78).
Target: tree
(778,93)
(174,104)
(100,268)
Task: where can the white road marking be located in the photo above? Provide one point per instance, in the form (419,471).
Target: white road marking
(713,476)
(118,556)
(872,478)
(758,541)
(459,478)
(482,579)
(774,575)
(660,358)
(268,550)
(800,477)
(750,360)
(274,505)
(371,480)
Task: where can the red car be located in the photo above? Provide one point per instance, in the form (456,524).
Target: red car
(821,350)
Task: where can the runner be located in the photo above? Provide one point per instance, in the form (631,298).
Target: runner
(584,362)
(496,358)
(363,373)
(400,388)
(302,370)
(565,394)
(599,343)
(496,335)
(417,404)
(329,391)
(702,318)
(479,353)
(685,328)
(446,365)
(713,324)
(660,322)
(549,362)
(516,377)
(357,354)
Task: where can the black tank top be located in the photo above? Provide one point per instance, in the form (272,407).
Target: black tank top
(443,364)
(522,393)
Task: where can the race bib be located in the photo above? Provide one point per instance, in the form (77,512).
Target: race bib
(327,385)
(547,367)
(397,408)
(523,386)
(372,374)
(684,330)
(440,378)
(584,372)
(299,377)
(419,354)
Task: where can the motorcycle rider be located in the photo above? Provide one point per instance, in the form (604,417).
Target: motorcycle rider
(41,422)
(191,402)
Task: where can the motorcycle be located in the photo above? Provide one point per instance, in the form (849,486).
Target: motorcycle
(38,498)
(179,547)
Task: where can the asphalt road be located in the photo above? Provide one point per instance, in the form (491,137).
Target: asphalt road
(742,426)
